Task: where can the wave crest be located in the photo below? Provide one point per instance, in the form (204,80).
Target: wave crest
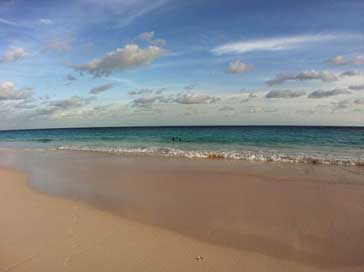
(263,156)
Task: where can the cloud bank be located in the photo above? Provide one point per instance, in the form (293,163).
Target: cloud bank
(285,94)
(303,76)
(324,94)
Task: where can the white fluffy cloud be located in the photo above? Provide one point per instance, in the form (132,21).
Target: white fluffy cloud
(128,57)
(8,92)
(238,67)
(13,55)
(338,60)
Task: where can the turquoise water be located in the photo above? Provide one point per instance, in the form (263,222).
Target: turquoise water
(334,145)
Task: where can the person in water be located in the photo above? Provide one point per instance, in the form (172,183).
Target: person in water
(174,139)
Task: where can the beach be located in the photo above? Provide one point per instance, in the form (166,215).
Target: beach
(78,211)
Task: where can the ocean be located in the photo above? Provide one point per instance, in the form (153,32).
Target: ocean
(293,144)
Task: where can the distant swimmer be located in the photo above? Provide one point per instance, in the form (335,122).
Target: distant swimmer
(175,139)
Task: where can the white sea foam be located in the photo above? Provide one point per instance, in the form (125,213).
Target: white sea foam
(249,155)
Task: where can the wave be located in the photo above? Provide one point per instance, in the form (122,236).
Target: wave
(263,156)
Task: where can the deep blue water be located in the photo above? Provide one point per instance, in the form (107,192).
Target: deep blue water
(236,142)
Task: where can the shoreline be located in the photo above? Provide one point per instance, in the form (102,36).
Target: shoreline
(267,156)
(310,216)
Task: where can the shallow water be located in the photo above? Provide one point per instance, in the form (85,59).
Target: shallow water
(326,145)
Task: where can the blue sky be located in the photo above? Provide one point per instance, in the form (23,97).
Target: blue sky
(169,62)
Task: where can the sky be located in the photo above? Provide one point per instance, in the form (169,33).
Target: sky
(87,63)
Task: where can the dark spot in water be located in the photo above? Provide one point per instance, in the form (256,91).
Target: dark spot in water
(43,140)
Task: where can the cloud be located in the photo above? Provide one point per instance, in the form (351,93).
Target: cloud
(359,60)
(338,60)
(341,105)
(13,55)
(196,99)
(69,103)
(356,87)
(303,76)
(59,46)
(8,92)
(359,101)
(341,60)
(149,38)
(8,22)
(226,108)
(24,105)
(285,94)
(128,57)
(147,100)
(186,99)
(238,67)
(60,106)
(350,74)
(278,44)
(101,89)
(324,94)
(70,77)
(190,87)
(46,21)
(141,92)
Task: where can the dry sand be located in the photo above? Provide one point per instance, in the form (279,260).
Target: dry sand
(237,218)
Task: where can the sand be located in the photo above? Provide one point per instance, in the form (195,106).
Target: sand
(106,213)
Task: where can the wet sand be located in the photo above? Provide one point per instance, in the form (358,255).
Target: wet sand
(158,214)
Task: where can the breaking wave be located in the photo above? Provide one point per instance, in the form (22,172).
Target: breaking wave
(247,155)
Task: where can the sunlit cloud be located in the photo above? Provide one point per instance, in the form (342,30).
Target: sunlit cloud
(13,54)
(8,92)
(238,67)
(128,57)
(341,60)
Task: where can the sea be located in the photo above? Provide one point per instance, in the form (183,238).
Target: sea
(291,144)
